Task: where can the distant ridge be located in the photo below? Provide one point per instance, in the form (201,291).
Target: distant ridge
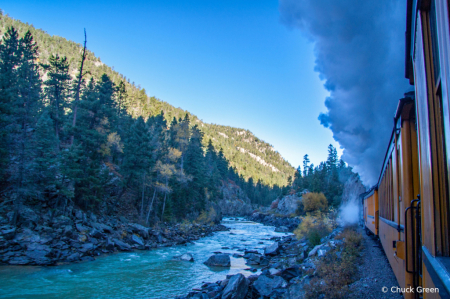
(250,156)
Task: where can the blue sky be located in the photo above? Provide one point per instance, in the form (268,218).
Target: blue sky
(228,62)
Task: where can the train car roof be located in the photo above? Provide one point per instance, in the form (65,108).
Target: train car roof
(369,192)
(409,98)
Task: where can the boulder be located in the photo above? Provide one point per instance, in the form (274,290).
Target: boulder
(314,250)
(139,229)
(96,234)
(8,234)
(184,257)
(74,257)
(87,248)
(121,245)
(265,285)
(109,246)
(237,287)
(218,260)
(137,240)
(290,273)
(273,249)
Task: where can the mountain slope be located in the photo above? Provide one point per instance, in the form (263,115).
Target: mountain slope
(250,156)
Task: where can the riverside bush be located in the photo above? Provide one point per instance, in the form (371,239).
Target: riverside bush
(313,228)
(312,202)
(337,269)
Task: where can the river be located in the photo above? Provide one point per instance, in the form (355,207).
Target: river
(139,274)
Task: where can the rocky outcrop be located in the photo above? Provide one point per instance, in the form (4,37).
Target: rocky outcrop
(288,205)
(52,237)
(282,224)
(234,202)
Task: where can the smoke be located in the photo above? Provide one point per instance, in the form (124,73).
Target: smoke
(349,213)
(359,49)
(350,210)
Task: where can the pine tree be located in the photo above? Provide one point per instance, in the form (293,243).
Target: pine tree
(26,105)
(195,167)
(57,91)
(9,62)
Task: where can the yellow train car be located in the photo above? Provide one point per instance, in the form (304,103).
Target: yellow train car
(397,186)
(370,210)
(428,68)
(413,187)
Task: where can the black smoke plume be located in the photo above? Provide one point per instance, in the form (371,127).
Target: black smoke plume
(359,49)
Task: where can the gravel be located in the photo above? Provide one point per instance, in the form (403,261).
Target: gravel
(374,273)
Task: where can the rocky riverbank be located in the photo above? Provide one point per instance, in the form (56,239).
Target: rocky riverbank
(281,223)
(288,266)
(58,237)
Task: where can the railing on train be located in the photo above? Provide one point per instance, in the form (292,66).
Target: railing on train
(415,219)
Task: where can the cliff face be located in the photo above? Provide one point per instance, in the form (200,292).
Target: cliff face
(234,201)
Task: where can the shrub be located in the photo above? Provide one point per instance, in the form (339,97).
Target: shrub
(207,216)
(337,269)
(313,228)
(314,202)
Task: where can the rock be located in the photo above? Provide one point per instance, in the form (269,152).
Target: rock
(8,234)
(87,247)
(137,240)
(109,245)
(272,250)
(26,236)
(82,229)
(121,245)
(96,234)
(236,288)
(74,257)
(218,260)
(323,250)
(290,273)
(102,227)
(184,257)
(314,250)
(296,289)
(79,215)
(28,217)
(281,229)
(19,260)
(253,258)
(140,230)
(265,285)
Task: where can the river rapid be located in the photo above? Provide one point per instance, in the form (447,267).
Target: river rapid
(139,274)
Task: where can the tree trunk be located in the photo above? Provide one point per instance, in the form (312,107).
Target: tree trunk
(142,201)
(77,91)
(150,207)
(164,206)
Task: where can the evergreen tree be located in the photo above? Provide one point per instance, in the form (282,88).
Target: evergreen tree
(9,62)
(57,91)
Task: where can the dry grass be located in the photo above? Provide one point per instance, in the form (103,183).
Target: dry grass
(337,269)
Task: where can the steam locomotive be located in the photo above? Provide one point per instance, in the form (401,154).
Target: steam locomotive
(408,208)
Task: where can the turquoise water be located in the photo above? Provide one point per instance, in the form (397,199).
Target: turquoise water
(139,274)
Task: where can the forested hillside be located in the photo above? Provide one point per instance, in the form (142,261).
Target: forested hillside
(250,156)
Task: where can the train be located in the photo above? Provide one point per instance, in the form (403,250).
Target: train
(408,208)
